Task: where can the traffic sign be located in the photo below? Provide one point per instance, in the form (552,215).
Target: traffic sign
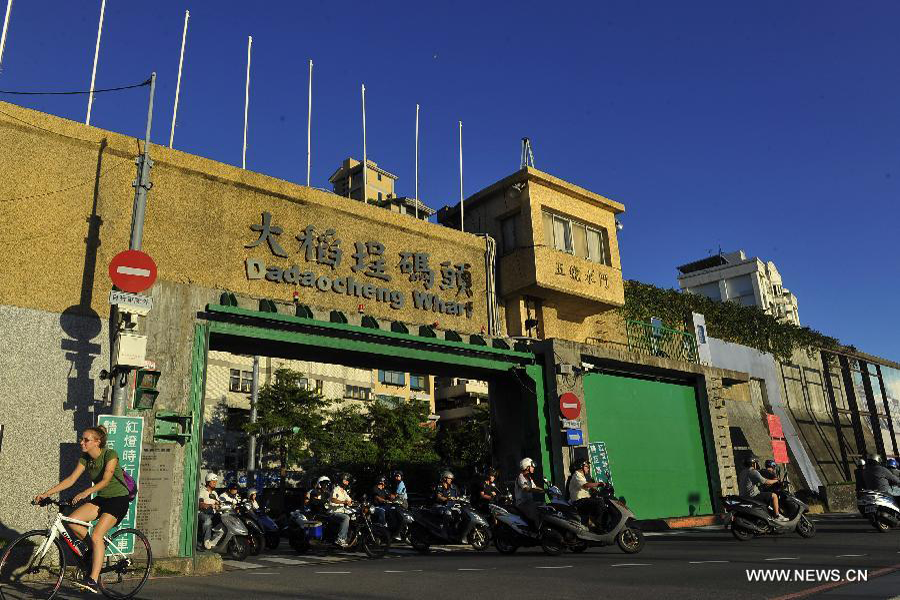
(574,437)
(569,406)
(570,423)
(132,271)
(134,303)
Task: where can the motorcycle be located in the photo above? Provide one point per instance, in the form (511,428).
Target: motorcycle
(403,518)
(748,518)
(229,536)
(882,510)
(561,528)
(463,525)
(306,530)
(257,536)
(510,530)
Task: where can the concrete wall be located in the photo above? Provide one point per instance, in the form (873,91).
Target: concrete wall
(750,414)
(51,391)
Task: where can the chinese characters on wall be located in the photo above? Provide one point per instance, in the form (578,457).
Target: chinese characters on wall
(443,288)
(583,275)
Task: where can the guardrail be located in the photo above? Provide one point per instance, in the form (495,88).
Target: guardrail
(660,341)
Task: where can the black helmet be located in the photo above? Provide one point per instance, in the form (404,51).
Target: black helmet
(770,463)
(395,473)
(346,477)
(491,472)
(578,464)
(753,460)
(381,479)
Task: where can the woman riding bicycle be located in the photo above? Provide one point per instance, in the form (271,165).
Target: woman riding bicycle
(109,506)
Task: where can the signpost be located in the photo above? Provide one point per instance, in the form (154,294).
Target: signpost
(132,271)
(133,303)
(599,462)
(124,435)
(569,406)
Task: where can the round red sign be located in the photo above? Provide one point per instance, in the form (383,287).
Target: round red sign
(569,406)
(132,271)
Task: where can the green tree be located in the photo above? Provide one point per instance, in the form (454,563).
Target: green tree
(465,446)
(401,433)
(346,443)
(290,417)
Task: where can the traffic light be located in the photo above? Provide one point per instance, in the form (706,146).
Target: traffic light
(145,388)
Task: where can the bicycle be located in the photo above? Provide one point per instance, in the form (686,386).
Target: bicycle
(34,564)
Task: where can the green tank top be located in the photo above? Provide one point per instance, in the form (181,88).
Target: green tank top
(95,468)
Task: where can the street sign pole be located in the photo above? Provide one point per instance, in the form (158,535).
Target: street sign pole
(142,185)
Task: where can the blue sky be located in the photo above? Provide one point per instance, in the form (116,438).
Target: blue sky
(767,126)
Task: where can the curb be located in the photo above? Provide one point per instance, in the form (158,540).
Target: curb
(679,523)
(201,564)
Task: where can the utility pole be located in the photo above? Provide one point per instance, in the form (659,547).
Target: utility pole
(142,185)
(251,444)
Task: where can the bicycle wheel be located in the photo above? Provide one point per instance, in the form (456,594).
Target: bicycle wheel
(125,571)
(25,572)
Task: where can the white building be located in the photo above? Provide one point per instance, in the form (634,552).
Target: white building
(747,281)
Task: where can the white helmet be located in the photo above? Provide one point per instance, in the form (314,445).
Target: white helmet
(211,477)
(251,491)
(525,463)
(323,479)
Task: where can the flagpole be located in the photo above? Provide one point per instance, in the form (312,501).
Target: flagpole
(365,160)
(87,120)
(187,15)
(5,27)
(462,213)
(246,102)
(417,161)
(309,126)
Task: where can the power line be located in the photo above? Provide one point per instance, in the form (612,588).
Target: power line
(115,89)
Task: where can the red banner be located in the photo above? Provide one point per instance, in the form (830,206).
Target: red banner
(779,452)
(775,426)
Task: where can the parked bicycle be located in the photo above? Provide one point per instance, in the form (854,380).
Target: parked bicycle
(34,564)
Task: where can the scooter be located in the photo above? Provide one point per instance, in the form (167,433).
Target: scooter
(561,528)
(463,525)
(509,528)
(403,518)
(229,536)
(748,518)
(257,537)
(306,530)
(881,509)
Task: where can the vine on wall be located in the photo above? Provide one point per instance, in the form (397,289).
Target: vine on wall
(728,321)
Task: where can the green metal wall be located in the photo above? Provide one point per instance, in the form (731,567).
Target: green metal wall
(652,435)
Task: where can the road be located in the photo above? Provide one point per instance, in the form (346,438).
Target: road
(695,564)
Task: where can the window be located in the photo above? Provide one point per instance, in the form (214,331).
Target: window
(236,418)
(357,392)
(240,381)
(580,239)
(379,177)
(392,377)
(379,193)
(418,383)
(508,234)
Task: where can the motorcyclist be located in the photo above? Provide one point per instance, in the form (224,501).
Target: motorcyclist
(579,489)
(525,490)
(879,478)
(749,481)
(892,466)
(859,474)
(398,489)
(209,505)
(486,491)
(444,493)
(340,504)
(320,502)
(770,469)
(252,498)
(230,497)
(380,498)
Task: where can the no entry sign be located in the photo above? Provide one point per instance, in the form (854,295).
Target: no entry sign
(132,271)
(569,406)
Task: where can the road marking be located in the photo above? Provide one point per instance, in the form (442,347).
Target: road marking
(333,572)
(267,573)
(631,565)
(785,558)
(703,562)
(556,567)
(845,555)
(237,564)
(284,561)
(470,569)
(409,571)
(330,558)
(653,533)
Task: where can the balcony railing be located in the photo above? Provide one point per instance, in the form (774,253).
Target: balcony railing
(662,342)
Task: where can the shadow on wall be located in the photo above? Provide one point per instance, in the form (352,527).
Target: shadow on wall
(693,503)
(82,325)
(7,534)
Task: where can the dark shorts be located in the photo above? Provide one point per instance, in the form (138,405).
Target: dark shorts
(116,506)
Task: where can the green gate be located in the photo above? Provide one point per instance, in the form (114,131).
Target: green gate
(652,435)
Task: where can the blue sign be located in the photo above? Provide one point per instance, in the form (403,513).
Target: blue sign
(574,437)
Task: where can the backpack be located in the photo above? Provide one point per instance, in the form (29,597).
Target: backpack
(129,482)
